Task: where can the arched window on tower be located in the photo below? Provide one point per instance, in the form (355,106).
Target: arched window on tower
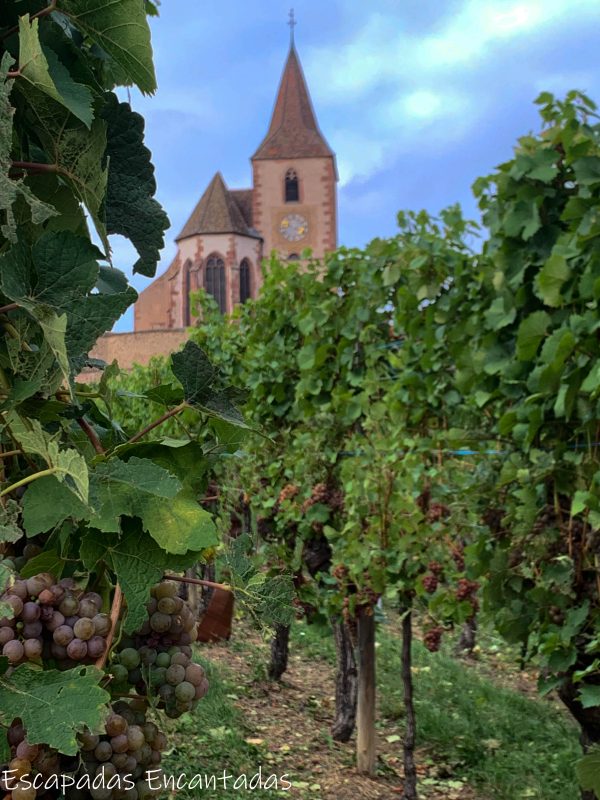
(293,257)
(214,280)
(244,280)
(292,192)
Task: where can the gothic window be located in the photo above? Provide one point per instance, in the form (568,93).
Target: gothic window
(293,257)
(244,280)
(214,280)
(292,192)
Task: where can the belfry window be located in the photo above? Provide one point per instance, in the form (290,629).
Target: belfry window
(244,280)
(293,257)
(292,192)
(214,281)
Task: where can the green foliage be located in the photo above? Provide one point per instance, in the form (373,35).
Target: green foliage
(54,706)
(82,496)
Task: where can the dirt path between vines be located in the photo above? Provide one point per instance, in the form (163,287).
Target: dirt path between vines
(290,723)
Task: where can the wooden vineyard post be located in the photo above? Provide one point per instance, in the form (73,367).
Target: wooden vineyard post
(410,773)
(365,711)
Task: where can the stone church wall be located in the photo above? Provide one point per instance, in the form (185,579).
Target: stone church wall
(133,348)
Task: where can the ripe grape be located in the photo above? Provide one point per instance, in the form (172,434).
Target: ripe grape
(24,792)
(33,648)
(54,622)
(194,674)
(63,635)
(84,628)
(77,649)
(31,612)
(87,608)
(27,751)
(15,602)
(6,634)
(35,585)
(120,743)
(32,630)
(175,674)
(96,646)
(88,741)
(19,588)
(21,767)
(115,724)
(160,623)
(135,737)
(102,624)
(14,651)
(103,751)
(69,605)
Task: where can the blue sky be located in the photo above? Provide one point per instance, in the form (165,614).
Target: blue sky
(417,97)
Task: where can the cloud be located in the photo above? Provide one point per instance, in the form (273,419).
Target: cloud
(429,82)
(382,51)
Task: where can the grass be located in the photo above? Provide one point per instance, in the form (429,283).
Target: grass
(505,744)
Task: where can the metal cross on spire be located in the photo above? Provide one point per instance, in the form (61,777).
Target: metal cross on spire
(292,23)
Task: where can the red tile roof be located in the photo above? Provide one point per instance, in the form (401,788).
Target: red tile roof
(293,132)
(217,212)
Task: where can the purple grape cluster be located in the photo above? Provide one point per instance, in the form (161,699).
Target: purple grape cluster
(52,620)
(157,659)
(26,760)
(109,766)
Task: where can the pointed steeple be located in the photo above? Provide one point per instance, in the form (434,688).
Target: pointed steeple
(216,212)
(293,132)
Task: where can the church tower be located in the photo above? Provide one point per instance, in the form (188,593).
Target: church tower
(290,207)
(294,174)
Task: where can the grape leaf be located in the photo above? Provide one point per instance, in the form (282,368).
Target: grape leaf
(11,189)
(47,503)
(588,771)
(54,706)
(203,385)
(130,207)
(125,487)
(531,332)
(121,29)
(138,562)
(589,695)
(138,488)
(9,518)
(54,280)
(180,525)
(67,464)
(43,69)
(550,279)
(47,561)
(74,150)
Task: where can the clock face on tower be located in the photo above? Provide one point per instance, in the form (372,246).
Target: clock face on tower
(293,227)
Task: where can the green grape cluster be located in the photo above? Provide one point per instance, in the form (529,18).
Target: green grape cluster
(157,660)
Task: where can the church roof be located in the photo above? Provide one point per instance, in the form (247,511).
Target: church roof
(243,198)
(293,132)
(216,212)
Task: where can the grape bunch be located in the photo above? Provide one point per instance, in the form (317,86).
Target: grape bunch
(130,745)
(432,639)
(26,760)
(322,493)
(430,583)
(109,766)
(52,620)
(157,659)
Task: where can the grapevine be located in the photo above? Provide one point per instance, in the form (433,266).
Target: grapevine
(92,513)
